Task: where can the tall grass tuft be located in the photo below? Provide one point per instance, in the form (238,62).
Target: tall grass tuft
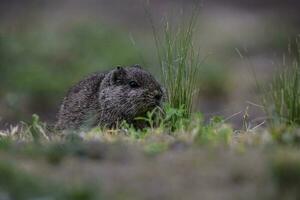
(179,62)
(282,100)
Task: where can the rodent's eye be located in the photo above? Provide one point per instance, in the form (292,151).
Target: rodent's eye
(133,84)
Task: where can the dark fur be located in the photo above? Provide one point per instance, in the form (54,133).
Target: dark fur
(106,99)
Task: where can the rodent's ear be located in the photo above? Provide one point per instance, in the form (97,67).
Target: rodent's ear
(118,75)
(137,66)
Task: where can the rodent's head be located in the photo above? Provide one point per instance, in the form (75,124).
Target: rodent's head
(126,93)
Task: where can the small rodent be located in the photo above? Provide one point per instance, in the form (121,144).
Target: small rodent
(106,99)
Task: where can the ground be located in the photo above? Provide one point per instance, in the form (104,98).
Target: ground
(118,164)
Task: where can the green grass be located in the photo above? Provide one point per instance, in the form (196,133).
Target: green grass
(179,62)
(282,97)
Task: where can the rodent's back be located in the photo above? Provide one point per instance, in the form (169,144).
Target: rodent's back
(80,103)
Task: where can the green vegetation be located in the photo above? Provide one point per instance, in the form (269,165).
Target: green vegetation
(179,62)
(282,97)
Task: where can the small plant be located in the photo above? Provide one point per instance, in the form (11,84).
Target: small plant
(174,118)
(282,102)
(152,118)
(215,133)
(179,62)
(170,118)
(37,129)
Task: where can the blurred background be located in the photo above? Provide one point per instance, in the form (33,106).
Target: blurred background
(47,46)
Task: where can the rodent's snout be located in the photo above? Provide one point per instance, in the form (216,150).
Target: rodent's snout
(157,95)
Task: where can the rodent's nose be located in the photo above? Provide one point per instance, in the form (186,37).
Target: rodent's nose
(158,96)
